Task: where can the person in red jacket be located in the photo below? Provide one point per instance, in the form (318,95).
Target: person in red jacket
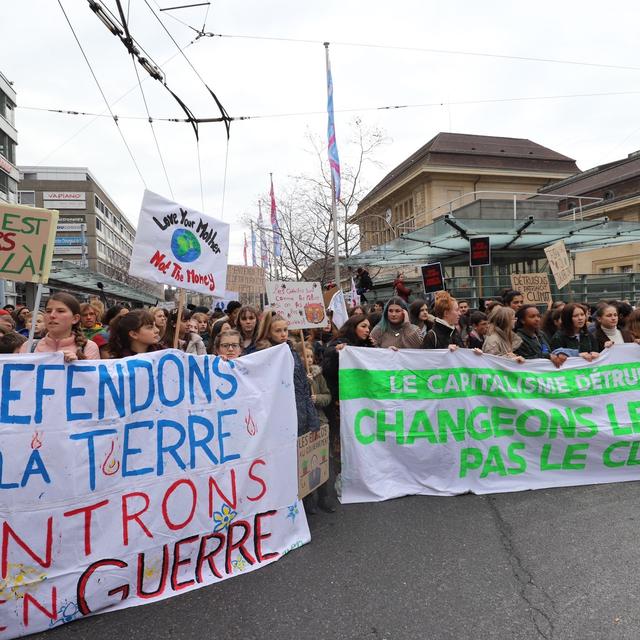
(401,290)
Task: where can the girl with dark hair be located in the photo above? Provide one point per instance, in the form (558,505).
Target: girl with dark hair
(633,325)
(419,316)
(513,299)
(113,312)
(573,336)
(607,333)
(132,334)
(188,342)
(534,343)
(247,325)
(354,332)
(443,334)
(551,322)
(63,332)
(394,329)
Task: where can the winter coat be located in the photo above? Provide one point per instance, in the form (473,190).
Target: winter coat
(331,364)
(406,336)
(66,345)
(474,340)
(320,390)
(307,414)
(584,342)
(602,338)
(496,343)
(401,289)
(441,335)
(533,347)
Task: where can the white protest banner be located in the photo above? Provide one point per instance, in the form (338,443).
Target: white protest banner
(339,309)
(559,263)
(445,423)
(130,481)
(534,287)
(179,246)
(300,303)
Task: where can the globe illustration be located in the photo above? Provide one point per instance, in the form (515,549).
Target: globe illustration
(185,245)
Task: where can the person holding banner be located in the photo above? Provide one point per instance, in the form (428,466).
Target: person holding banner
(227,345)
(394,331)
(63,331)
(443,334)
(607,333)
(573,337)
(534,343)
(501,339)
(274,330)
(132,334)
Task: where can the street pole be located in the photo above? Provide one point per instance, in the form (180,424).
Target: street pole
(334,209)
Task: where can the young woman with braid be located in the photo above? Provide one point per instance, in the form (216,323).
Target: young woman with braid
(63,332)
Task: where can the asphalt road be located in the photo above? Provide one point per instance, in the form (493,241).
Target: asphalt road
(558,563)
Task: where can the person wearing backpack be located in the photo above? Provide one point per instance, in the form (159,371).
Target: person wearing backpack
(444,334)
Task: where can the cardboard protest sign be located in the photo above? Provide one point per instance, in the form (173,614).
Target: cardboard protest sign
(179,246)
(484,425)
(559,263)
(432,277)
(27,237)
(313,460)
(534,287)
(300,303)
(480,251)
(245,279)
(130,481)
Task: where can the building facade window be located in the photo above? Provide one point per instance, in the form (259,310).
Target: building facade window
(27,198)
(627,268)
(606,270)
(98,224)
(7,147)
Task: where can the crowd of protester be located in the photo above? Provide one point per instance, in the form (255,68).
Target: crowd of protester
(504,327)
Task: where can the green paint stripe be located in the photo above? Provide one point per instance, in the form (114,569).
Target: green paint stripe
(463,382)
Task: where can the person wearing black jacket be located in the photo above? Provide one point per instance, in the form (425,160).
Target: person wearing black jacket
(363,283)
(607,332)
(534,343)
(444,334)
(573,333)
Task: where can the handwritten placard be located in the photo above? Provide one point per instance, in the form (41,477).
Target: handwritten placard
(245,279)
(534,287)
(300,303)
(27,237)
(179,246)
(559,263)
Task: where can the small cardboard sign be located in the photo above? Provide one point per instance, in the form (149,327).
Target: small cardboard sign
(27,240)
(559,263)
(534,287)
(480,251)
(313,460)
(300,303)
(432,277)
(245,279)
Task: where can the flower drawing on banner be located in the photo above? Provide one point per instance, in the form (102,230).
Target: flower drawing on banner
(293,512)
(223,518)
(239,564)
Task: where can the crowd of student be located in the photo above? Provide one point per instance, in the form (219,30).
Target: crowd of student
(506,327)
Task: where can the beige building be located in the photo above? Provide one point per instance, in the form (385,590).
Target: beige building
(449,171)
(617,185)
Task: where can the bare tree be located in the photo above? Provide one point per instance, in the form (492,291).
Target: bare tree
(304,208)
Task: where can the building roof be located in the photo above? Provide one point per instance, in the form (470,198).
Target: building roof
(598,177)
(486,152)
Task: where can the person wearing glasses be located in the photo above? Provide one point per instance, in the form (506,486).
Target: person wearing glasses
(227,344)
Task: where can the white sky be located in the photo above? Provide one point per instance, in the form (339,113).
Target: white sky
(251,77)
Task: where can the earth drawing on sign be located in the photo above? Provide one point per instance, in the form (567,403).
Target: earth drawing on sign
(185,245)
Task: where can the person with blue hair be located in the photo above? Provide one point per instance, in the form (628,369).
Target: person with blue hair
(394,330)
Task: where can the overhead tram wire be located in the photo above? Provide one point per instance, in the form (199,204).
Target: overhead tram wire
(479,54)
(104,97)
(396,107)
(125,23)
(99,115)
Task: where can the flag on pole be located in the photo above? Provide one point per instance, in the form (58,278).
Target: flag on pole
(244,250)
(339,308)
(334,160)
(277,252)
(264,249)
(253,246)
